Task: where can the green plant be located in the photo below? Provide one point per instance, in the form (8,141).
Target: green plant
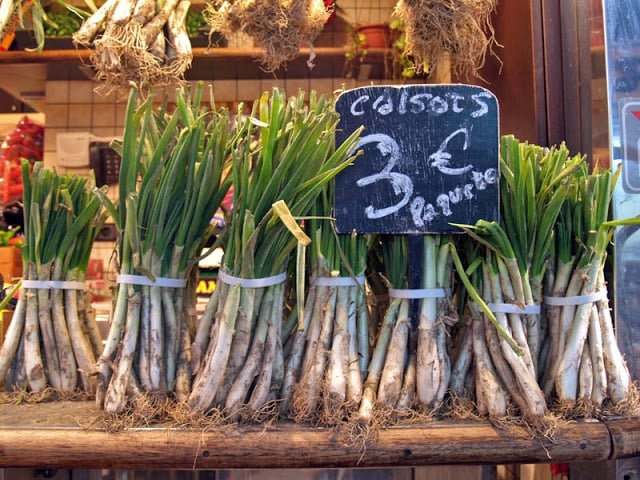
(61,24)
(398,65)
(356,53)
(403,64)
(8,237)
(195,23)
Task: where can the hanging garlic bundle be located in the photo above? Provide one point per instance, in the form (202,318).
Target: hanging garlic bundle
(460,30)
(143,42)
(278,27)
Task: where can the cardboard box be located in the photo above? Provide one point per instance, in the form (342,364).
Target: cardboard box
(10,263)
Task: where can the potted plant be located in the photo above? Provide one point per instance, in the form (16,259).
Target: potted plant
(391,36)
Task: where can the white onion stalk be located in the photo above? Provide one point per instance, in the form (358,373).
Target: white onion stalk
(12,339)
(491,396)
(433,361)
(377,363)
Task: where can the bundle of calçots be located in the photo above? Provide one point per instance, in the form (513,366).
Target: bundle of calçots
(172,181)
(53,339)
(517,251)
(410,367)
(585,370)
(287,158)
(327,357)
(541,264)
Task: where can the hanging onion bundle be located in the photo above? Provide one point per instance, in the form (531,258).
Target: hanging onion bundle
(459,30)
(53,339)
(144,42)
(278,27)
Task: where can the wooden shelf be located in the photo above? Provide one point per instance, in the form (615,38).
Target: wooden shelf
(220,62)
(221,54)
(59,435)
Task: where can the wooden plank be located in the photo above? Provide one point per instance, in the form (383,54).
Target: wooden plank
(56,435)
(625,437)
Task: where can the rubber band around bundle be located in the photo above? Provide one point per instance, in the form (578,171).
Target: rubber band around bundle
(418,293)
(147,282)
(252,282)
(576,300)
(54,284)
(513,308)
(338,281)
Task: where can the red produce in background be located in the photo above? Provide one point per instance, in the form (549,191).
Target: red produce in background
(25,141)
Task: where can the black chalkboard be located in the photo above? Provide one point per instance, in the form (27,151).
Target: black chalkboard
(430,158)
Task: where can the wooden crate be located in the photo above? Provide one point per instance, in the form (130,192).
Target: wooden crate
(5,319)
(10,263)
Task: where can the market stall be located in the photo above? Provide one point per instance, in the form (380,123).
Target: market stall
(384,298)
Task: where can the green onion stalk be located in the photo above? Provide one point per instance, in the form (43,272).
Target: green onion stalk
(437,314)
(328,357)
(410,365)
(286,159)
(518,249)
(53,339)
(392,367)
(587,371)
(486,377)
(172,181)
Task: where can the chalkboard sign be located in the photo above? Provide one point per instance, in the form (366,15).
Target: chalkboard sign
(430,158)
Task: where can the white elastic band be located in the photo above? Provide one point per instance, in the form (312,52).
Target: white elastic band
(252,282)
(147,282)
(576,300)
(417,293)
(338,281)
(54,284)
(513,308)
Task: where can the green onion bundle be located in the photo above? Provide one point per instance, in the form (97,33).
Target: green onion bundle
(53,339)
(239,356)
(172,181)
(329,354)
(392,363)
(410,366)
(586,369)
(517,252)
